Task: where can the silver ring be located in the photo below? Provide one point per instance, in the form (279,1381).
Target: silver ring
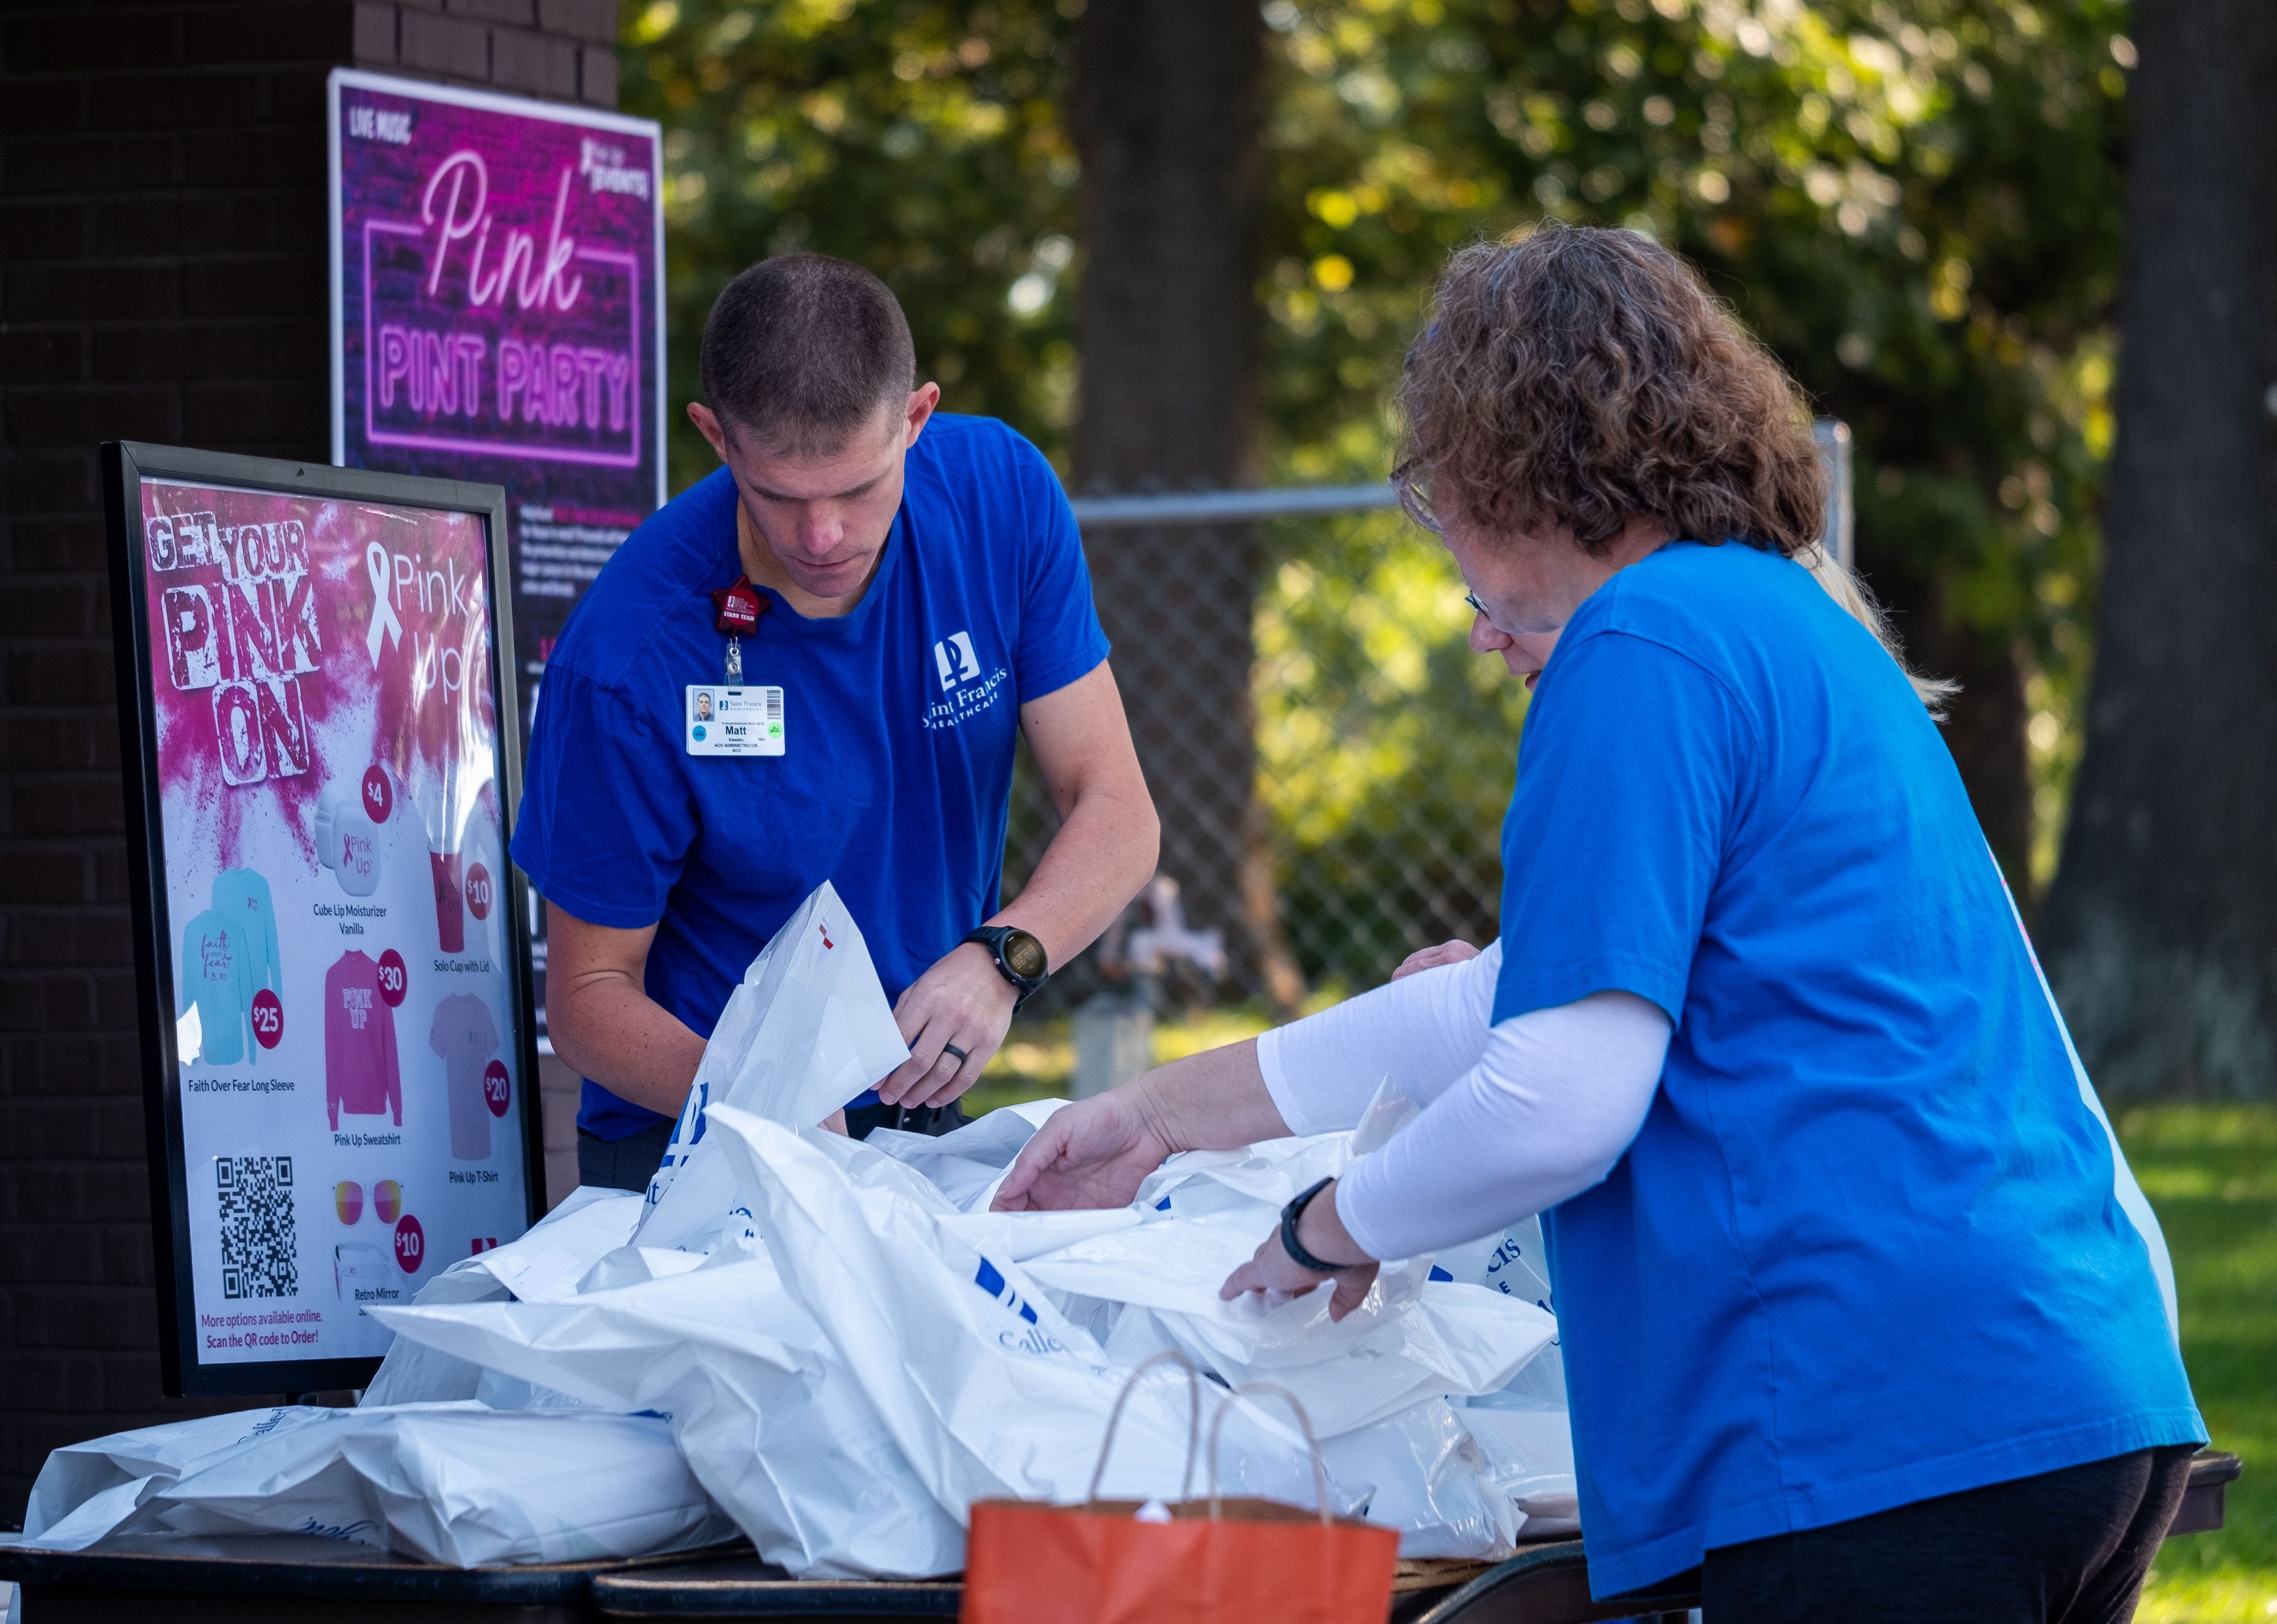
(951,1048)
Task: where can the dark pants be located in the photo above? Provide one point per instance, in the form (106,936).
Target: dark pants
(2068,1547)
(621,1163)
(629,1163)
(933,1120)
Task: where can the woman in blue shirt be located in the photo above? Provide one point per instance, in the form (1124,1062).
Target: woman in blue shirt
(1861,1311)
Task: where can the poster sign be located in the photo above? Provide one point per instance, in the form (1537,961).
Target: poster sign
(335,988)
(497,316)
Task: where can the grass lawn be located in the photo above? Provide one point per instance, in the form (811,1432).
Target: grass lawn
(2210,1170)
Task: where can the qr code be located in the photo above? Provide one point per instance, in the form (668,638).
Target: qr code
(260,1249)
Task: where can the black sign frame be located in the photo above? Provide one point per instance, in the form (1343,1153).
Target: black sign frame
(126,465)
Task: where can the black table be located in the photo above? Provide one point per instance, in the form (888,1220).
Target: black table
(271,1579)
(277,1578)
(1544,1583)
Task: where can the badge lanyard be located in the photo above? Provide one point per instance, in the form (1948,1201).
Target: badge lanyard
(736,609)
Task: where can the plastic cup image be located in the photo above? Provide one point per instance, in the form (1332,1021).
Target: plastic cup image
(347,1199)
(450,901)
(387,1200)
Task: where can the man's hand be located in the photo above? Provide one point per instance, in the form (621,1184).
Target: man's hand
(1321,1232)
(1431,959)
(962,1002)
(1094,1153)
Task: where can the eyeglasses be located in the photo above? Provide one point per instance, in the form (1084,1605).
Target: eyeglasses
(1477,608)
(386,1200)
(1408,483)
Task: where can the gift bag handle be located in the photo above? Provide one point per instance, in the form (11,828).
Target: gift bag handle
(1169,1356)
(1319,1467)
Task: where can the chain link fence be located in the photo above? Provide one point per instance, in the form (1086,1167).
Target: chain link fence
(1330,760)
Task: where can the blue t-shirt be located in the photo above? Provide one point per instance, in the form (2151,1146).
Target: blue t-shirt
(900,723)
(1865,1249)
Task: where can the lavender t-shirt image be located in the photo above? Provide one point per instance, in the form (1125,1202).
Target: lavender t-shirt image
(362,1076)
(466,1037)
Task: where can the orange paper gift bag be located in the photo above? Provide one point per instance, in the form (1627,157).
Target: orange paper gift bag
(1212,1561)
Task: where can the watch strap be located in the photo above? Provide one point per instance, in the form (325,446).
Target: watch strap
(992,937)
(1295,1248)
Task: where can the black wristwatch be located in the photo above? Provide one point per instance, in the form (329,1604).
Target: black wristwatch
(1020,958)
(1294,1248)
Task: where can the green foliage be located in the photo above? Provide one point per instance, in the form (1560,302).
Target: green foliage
(1915,205)
(920,138)
(1385,747)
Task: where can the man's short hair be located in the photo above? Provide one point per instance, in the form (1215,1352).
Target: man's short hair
(800,350)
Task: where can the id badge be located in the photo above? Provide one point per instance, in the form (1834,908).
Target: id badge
(733,721)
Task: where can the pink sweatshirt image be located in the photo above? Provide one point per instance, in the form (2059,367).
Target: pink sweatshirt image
(362,1076)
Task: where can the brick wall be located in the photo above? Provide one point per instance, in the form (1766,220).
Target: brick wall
(162,276)
(561,48)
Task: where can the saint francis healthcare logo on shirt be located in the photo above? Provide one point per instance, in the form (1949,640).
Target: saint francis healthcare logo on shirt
(966,690)
(954,659)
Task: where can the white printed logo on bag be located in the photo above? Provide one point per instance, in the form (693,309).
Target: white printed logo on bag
(1035,1339)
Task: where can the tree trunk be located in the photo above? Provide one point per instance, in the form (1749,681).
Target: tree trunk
(1166,111)
(2161,930)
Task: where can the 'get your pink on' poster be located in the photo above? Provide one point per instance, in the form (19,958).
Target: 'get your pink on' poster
(344,1005)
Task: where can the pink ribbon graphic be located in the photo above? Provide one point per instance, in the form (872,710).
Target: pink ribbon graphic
(384,623)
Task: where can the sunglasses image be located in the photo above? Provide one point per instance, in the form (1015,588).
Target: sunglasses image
(386,1200)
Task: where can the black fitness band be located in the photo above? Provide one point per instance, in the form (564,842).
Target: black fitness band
(1294,1247)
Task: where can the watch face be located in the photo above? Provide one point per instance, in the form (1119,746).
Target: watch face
(1025,954)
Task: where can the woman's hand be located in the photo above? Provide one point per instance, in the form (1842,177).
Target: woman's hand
(1431,959)
(1321,1233)
(1094,1153)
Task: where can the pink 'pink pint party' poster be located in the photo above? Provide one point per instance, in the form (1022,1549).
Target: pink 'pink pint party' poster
(497,316)
(326,763)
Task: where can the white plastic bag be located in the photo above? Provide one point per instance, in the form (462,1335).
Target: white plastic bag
(1430,1480)
(455,1483)
(545,1262)
(967,1165)
(772,1423)
(808,1029)
(989,1390)
(1515,1263)
(1528,1448)
(1410,1339)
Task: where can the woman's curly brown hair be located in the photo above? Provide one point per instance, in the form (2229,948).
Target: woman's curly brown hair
(1578,377)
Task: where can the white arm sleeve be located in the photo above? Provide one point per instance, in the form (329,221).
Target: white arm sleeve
(1544,1114)
(1423,1031)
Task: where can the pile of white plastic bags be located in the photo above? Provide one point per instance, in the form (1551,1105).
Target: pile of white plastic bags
(836,1347)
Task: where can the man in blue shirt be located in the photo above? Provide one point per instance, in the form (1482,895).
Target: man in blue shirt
(914,584)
